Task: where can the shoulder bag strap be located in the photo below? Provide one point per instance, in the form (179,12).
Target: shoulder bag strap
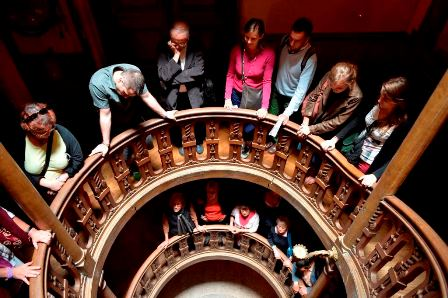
(48,154)
(243,77)
(309,52)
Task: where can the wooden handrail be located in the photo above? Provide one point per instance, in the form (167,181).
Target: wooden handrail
(241,253)
(330,207)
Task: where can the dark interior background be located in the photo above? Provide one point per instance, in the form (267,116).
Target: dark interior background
(46,55)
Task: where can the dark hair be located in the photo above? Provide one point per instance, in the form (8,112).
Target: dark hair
(254,24)
(303,263)
(134,79)
(394,89)
(302,25)
(284,219)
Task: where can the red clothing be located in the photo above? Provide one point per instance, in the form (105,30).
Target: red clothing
(213,212)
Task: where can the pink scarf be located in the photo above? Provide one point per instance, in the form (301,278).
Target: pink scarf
(245,220)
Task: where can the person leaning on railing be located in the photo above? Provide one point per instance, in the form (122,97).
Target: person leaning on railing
(329,106)
(15,233)
(179,219)
(52,154)
(375,137)
(306,267)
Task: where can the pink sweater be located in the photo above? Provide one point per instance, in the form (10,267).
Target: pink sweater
(258,72)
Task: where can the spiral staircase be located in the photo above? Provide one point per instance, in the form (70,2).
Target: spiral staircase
(376,243)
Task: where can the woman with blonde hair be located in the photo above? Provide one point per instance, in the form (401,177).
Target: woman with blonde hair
(329,106)
(376,136)
(332,102)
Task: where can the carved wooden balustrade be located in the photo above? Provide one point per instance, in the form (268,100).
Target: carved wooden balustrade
(397,253)
(252,250)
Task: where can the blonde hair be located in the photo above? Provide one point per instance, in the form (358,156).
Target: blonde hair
(300,251)
(344,71)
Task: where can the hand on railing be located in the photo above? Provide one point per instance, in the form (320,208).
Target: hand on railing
(170,115)
(164,244)
(303,131)
(261,113)
(368,180)
(36,236)
(228,104)
(101,148)
(23,272)
(200,228)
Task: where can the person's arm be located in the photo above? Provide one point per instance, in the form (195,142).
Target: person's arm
(304,129)
(75,152)
(352,125)
(309,105)
(154,105)
(22,272)
(194,218)
(194,70)
(306,77)
(267,78)
(167,67)
(234,213)
(105,125)
(335,122)
(230,77)
(166,229)
(35,234)
(271,236)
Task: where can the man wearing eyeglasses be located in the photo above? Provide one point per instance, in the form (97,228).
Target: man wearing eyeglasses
(181,69)
(115,88)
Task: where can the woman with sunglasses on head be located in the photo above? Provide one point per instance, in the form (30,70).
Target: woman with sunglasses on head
(379,133)
(52,154)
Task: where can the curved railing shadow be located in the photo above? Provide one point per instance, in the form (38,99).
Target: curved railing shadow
(395,254)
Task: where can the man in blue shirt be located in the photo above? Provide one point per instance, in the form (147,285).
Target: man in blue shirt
(296,66)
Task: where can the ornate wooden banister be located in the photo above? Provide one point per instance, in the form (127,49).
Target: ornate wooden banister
(94,205)
(163,263)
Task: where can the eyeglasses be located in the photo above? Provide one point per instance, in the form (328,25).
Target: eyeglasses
(33,116)
(179,43)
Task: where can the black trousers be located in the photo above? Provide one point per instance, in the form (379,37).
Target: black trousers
(183,103)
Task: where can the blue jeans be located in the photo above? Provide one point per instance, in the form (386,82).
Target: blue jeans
(248,128)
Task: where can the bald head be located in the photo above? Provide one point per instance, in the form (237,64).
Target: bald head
(180,28)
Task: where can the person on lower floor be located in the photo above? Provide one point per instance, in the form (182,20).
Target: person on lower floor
(179,218)
(210,210)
